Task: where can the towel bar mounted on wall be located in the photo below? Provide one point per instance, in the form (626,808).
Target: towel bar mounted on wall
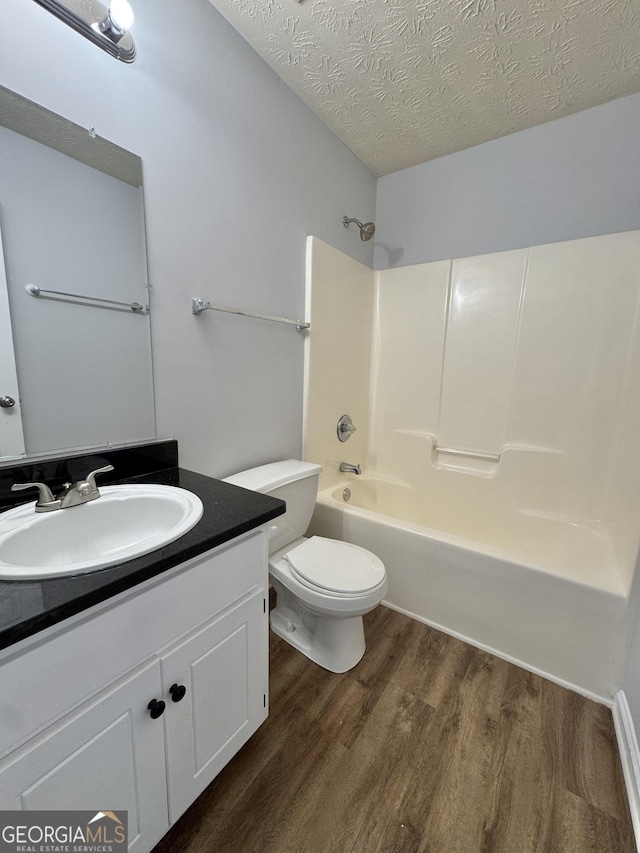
(199,305)
(34,290)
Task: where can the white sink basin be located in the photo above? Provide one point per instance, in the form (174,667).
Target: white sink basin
(123,523)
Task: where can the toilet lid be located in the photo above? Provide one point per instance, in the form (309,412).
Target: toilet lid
(336,566)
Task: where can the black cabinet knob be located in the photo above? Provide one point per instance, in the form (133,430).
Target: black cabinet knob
(156,708)
(177,692)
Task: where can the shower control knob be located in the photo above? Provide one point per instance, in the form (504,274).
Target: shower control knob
(156,708)
(177,692)
(345,428)
(7,402)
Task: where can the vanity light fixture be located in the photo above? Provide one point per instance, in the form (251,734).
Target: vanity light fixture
(106,27)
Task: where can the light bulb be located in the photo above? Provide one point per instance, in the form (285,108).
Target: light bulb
(121,14)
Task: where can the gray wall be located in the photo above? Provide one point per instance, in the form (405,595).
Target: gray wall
(237,172)
(574,177)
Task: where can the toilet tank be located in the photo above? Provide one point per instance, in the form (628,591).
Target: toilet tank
(292,481)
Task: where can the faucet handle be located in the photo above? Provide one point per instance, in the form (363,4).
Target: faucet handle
(90,479)
(345,428)
(83,491)
(45,495)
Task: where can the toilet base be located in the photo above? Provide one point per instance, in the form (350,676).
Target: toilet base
(333,642)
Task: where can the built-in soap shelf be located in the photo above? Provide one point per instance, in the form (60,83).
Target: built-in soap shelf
(465,461)
(471,461)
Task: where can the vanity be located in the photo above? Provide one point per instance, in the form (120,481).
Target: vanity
(131,687)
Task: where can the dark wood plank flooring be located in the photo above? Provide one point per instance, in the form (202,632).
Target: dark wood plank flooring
(427,746)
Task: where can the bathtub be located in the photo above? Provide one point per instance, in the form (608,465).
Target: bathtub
(535,589)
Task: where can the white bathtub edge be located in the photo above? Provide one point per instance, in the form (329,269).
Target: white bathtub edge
(629,757)
(596,697)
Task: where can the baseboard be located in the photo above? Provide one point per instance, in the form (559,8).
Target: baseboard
(629,757)
(576,688)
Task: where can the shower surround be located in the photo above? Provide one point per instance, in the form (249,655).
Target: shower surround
(497,416)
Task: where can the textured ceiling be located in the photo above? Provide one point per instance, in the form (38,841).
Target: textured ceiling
(404,81)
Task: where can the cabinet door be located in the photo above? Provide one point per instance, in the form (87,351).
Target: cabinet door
(224,668)
(107,755)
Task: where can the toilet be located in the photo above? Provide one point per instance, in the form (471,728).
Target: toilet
(323,586)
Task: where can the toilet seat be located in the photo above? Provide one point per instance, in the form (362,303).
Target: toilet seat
(336,567)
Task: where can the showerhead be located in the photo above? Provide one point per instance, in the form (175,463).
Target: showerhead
(366,231)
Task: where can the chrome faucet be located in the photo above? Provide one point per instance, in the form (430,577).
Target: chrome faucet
(72,494)
(348,468)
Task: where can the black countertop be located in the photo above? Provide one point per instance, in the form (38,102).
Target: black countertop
(29,606)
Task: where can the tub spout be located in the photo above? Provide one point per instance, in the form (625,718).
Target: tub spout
(348,468)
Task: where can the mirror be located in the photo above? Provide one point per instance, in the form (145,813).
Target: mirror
(72,265)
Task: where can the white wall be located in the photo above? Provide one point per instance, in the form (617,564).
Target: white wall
(526,354)
(237,173)
(574,177)
(501,392)
(340,305)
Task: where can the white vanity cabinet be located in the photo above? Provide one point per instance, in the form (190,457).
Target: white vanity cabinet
(108,755)
(222,668)
(81,720)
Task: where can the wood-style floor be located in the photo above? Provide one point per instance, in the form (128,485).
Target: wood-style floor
(427,745)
